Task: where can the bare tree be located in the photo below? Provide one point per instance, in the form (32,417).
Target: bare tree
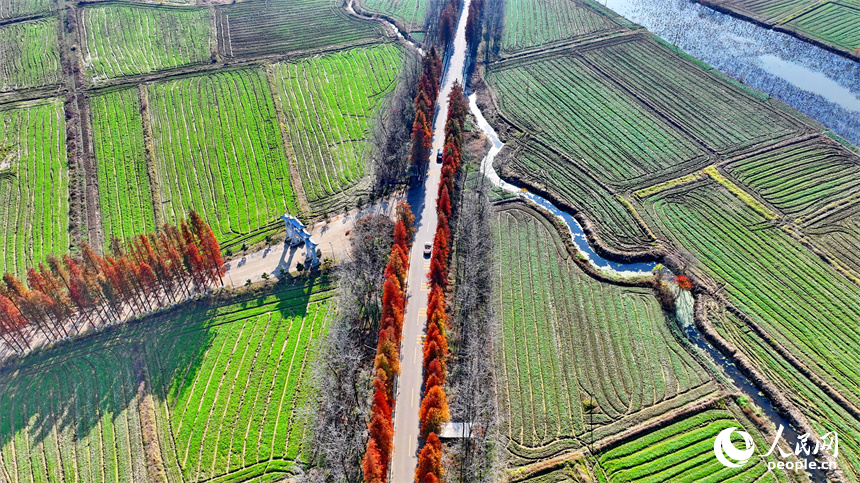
(473,397)
(390,137)
(342,376)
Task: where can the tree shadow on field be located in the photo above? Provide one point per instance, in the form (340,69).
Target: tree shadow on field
(67,391)
(88,389)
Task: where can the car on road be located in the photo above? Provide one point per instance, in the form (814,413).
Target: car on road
(428,247)
(439,156)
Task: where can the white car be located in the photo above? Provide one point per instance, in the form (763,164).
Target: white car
(428,247)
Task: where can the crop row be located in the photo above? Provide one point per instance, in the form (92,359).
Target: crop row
(34,189)
(410,12)
(681,452)
(564,102)
(276,26)
(124,189)
(238,408)
(805,304)
(533,23)
(74,414)
(842,242)
(766,10)
(29,56)
(800,179)
(613,223)
(218,151)
(20,8)
(567,338)
(823,413)
(720,114)
(73,419)
(330,103)
(128,40)
(833,23)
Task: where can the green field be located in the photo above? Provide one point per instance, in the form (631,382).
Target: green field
(29,56)
(823,412)
(330,104)
(562,101)
(281,26)
(766,10)
(725,118)
(834,23)
(218,150)
(34,185)
(410,13)
(614,224)
(122,40)
(124,189)
(219,389)
(682,452)
(805,305)
(21,8)
(535,23)
(565,336)
(801,178)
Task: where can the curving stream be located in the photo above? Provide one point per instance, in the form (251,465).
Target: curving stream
(684,299)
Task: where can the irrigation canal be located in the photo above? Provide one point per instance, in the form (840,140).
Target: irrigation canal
(684,302)
(823,85)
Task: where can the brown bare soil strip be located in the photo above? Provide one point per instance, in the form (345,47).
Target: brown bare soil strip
(148,424)
(149,154)
(295,177)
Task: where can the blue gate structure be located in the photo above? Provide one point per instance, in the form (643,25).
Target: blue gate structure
(298,235)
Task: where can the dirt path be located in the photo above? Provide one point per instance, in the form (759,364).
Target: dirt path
(332,237)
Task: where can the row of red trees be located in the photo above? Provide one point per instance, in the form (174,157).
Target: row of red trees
(136,276)
(386,365)
(425,105)
(434,403)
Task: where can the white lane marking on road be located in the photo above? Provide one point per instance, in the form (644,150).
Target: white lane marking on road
(415,356)
(412,403)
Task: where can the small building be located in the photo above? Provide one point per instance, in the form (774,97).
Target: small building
(458,430)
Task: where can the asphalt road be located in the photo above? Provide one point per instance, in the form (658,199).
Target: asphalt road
(422,198)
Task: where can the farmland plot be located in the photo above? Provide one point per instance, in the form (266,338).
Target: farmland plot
(411,13)
(122,40)
(836,229)
(330,103)
(832,22)
(823,412)
(770,11)
(805,305)
(34,185)
(534,23)
(20,8)
(218,151)
(614,224)
(566,336)
(564,102)
(281,26)
(29,56)
(221,389)
(800,178)
(722,116)
(683,452)
(124,189)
